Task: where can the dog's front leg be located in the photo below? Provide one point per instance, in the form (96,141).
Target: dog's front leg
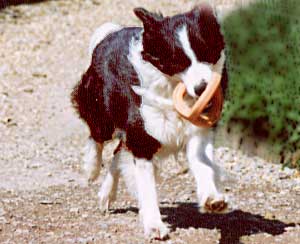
(200,158)
(147,198)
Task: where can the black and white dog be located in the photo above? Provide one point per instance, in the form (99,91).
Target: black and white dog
(127,93)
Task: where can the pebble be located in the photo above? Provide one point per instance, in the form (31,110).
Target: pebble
(2,212)
(4,220)
(86,240)
(21,232)
(74,210)
(46,202)
(260,194)
(103,226)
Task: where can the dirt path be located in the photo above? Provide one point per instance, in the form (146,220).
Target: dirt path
(44,197)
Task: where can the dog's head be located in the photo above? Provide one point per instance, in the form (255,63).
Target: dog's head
(188,45)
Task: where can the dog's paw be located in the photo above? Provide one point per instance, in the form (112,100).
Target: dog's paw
(156,231)
(216,203)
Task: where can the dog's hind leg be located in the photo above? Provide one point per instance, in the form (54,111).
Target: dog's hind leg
(92,159)
(108,191)
(206,173)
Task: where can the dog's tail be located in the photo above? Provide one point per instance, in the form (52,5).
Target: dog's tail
(83,98)
(100,33)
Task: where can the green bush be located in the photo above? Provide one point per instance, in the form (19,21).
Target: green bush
(263,61)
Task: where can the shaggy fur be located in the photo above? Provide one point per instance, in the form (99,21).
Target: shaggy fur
(127,93)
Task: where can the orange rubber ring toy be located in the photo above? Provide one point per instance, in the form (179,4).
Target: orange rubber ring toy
(212,93)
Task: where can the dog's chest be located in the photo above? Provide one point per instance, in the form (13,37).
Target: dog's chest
(167,126)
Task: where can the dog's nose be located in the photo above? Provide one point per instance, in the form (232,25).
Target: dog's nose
(200,88)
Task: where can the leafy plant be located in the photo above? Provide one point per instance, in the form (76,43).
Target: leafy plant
(263,61)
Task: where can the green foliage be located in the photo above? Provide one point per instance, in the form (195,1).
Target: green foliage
(263,61)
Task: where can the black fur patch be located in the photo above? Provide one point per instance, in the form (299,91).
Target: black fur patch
(104,97)
(161,45)
(205,35)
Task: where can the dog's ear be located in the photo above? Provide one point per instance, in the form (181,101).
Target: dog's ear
(149,19)
(205,10)
(206,16)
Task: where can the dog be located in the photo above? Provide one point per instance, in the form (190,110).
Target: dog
(126,93)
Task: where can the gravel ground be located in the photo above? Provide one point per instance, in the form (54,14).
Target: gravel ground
(44,197)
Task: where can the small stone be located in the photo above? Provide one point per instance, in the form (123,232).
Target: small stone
(227,189)
(74,210)
(2,212)
(103,226)
(269,215)
(39,75)
(21,232)
(85,240)
(3,220)
(46,202)
(28,90)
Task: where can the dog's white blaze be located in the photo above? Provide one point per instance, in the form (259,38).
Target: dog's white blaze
(185,43)
(100,33)
(197,72)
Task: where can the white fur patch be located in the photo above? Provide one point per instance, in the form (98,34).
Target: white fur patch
(127,168)
(100,33)
(198,72)
(218,67)
(92,159)
(148,202)
(206,173)
(108,191)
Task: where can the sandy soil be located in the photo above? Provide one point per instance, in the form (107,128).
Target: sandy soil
(44,197)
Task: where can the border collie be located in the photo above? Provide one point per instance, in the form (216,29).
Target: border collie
(127,93)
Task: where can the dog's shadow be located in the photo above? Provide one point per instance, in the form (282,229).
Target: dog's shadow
(232,225)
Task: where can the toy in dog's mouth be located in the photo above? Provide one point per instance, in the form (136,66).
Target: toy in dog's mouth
(206,111)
